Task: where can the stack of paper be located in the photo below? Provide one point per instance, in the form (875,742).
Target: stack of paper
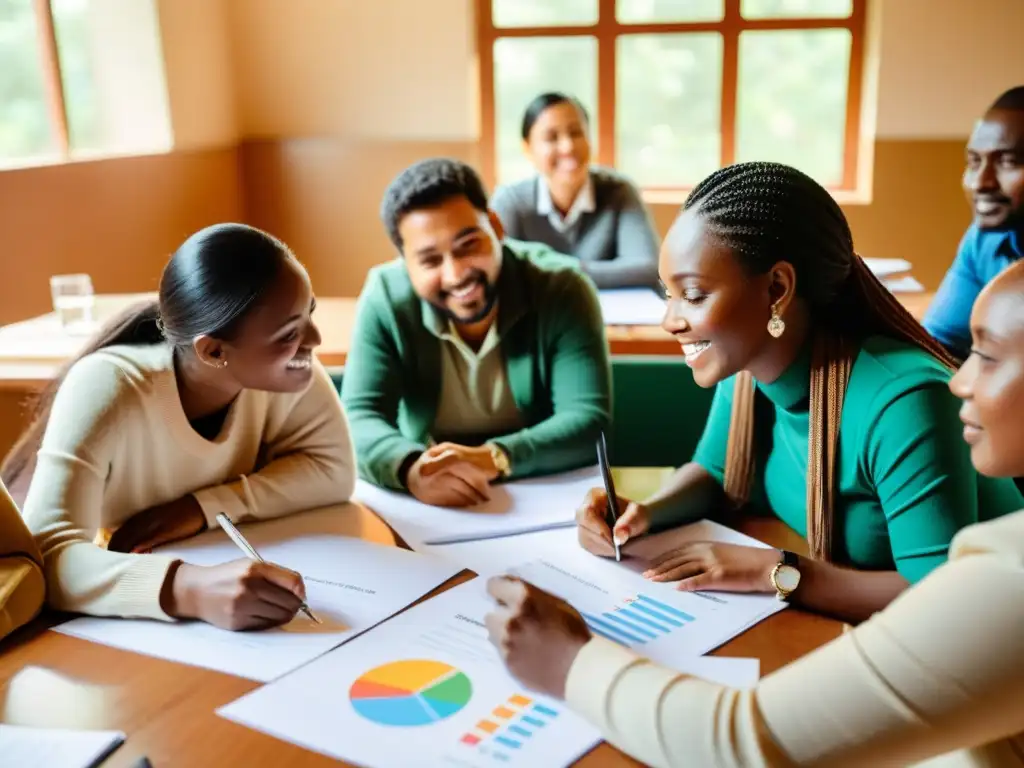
(888,267)
(631,306)
(25,747)
(517,507)
(351,585)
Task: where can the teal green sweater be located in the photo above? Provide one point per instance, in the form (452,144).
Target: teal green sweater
(556,358)
(906,484)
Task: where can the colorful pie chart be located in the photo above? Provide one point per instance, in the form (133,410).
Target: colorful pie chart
(410,693)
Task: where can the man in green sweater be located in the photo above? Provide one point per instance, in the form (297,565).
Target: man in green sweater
(473,357)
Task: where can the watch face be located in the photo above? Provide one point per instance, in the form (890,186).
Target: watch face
(787,577)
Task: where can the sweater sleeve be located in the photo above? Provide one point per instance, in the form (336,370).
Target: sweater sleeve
(309,462)
(948,318)
(711,450)
(65,499)
(580,386)
(506,203)
(22,589)
(900,688)
(921,470)
(372,391)
(636,247)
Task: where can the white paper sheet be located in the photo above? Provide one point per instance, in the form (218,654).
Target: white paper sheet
(612,594)
(26,747)
(517,507)
(906,284)
(350,586)
(631,306)
(886,267)
(479,717)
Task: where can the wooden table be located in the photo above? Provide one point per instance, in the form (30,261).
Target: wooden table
(32,351)
(167,709)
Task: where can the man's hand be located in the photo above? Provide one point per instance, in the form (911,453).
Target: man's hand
(455,484)
(444,455)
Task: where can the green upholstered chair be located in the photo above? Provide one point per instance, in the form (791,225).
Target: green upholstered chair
(658,412)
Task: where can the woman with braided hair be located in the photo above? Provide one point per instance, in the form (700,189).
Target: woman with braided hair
(831,409)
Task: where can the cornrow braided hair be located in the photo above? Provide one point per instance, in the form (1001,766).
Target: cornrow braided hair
(767,213)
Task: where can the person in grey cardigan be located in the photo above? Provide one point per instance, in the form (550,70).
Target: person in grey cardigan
(592,213)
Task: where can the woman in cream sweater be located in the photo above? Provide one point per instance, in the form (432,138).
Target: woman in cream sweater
(209,400)
(937,676)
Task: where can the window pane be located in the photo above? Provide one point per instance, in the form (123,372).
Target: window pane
(24,120)
(525,67)
(792,99)
(543,13)
(115,92)
(669,91)
(788,9)
(653,11)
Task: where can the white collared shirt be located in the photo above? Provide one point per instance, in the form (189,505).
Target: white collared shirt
(584,203)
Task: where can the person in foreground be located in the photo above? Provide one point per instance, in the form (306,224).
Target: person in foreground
(938,672)
(831,408)
(994,183)
(472,359)
(594,214)
(207,401)
(22,588)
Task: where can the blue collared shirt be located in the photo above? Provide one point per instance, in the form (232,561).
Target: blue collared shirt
(982,255)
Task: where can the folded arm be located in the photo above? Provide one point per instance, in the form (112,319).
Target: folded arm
(636,248)
(580,387)
(310,462)
(899,688)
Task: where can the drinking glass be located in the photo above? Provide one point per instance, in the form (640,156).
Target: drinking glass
(74,301)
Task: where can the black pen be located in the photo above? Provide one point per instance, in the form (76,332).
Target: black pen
(609,489)
(142,762)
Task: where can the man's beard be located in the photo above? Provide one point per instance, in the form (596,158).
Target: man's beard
(490,297)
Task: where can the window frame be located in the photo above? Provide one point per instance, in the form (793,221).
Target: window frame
(49,58)
(606,32)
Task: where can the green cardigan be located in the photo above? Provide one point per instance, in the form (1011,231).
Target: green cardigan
(906,484)
(556,357)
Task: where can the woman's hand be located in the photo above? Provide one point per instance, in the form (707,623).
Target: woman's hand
(455,484)
(440,457)
(709,565)
(537,634)
(162,524)
(595,535)
(242,594)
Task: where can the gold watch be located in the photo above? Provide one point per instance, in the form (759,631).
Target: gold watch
(785,576)
(500,459)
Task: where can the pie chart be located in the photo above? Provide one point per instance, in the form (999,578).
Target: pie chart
(410,693)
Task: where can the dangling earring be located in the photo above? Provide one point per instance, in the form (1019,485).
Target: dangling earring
(776,326)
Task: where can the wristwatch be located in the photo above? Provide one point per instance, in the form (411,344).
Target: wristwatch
(785,576)
(500,459)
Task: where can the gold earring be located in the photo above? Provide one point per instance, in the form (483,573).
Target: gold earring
(776,326)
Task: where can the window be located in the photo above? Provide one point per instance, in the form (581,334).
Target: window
(679,88)
(80,78)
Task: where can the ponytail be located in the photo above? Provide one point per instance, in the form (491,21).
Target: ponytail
(136,325)
(766,213)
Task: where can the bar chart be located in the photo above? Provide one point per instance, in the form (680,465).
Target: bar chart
(508,728)
(639,620)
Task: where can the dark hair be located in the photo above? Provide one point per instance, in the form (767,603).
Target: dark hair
(1012,99)
(766,213)
(208,286)
(426,184)
(536,107)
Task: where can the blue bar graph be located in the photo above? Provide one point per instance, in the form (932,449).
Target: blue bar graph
(542,710)
(520,731)
(506,742)
(533,721)
(639,621)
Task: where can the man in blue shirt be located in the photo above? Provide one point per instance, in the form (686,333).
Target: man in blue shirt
(994,183)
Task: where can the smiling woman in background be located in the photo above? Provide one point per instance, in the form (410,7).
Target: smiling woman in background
(937,674)
(207,401)
(591,213)
(831,406)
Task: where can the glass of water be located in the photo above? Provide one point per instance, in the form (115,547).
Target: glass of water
(73,301)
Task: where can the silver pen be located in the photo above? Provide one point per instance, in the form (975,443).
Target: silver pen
(236,536)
